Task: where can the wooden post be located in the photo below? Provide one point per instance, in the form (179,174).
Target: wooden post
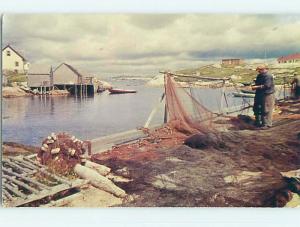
(284,92)
(154,111)
(166,109)
(222,95)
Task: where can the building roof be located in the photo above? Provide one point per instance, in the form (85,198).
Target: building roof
(71,68)
(14,51)
(289,57)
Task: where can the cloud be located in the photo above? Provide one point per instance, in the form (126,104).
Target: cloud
(147,43)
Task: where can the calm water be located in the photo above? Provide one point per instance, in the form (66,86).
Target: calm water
(28,120)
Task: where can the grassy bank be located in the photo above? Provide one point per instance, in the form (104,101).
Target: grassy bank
(242,73)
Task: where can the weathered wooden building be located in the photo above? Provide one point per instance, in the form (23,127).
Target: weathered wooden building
(67,77)
(65,74)
(38,75)
(232,61)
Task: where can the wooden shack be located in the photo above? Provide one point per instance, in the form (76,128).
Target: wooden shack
(232,61)
(67,77)
(39,76)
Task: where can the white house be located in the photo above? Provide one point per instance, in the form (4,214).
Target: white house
(13,61)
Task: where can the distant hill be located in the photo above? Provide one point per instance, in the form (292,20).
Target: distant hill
(242,73)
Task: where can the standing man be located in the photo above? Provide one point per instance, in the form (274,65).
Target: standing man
(264,98)
(296,86)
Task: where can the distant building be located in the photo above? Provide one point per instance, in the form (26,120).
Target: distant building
(232,61)
(38,75)
(292,58)
(13,61)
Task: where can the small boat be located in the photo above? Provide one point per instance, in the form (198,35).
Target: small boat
(120,91)
(244,95)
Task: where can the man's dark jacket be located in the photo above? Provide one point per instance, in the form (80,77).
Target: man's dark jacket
(266,80)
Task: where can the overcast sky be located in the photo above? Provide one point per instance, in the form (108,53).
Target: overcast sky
(141,44)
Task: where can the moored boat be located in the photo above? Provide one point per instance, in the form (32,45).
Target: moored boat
(120,91)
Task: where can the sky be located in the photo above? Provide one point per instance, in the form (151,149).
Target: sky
(144,44)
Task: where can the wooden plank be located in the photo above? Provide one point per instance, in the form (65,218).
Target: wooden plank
(25,163)
(7,194)
(21,184)
(119,138)
(45,193)
(16,166)
(14,191)
(64,201)
(41,186)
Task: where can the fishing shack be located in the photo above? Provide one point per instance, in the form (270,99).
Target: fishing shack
(38,77)
(67,77)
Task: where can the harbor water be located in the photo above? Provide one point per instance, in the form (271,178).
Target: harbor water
(28,120)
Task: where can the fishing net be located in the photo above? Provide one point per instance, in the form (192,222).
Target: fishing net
(61,152)
(184,112)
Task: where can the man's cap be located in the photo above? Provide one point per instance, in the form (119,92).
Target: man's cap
(262,67)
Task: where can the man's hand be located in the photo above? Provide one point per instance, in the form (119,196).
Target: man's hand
(255,87)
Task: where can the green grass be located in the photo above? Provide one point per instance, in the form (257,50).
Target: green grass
(16,78)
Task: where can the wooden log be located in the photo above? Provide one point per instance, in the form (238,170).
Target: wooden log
(101,169)
(99,181)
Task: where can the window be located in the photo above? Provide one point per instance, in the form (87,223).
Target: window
(8,53)
(16,63)
(16,71)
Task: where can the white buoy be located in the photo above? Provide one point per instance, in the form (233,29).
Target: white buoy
(55,150)
(44,148)
(99,181)
(50,141)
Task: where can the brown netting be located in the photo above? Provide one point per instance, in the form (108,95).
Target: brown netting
(61,152)
(185,113)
